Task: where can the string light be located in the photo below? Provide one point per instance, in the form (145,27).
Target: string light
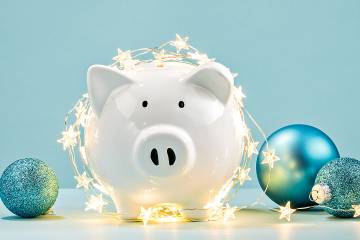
(160,58)
(285,212)
(125,60)
(145,215)
(69,138)
(201,58)
(357,210)
(83,181)
(229,213)
(72,140)
(95,202)
(251,149)
(161,213)
(180,43)
(243,175)
(270,158)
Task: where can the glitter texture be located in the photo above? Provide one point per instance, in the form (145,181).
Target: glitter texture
(28,187)
(342,176)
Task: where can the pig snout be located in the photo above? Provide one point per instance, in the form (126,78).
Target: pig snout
(164,150)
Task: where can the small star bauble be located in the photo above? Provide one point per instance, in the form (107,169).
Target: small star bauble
(28,187)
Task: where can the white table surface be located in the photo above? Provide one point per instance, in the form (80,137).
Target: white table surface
(71,222)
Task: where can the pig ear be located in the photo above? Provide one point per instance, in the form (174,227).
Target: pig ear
(214,77)
(101,81)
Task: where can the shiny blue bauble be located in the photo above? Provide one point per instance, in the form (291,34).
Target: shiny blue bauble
(28,187)
(302,150)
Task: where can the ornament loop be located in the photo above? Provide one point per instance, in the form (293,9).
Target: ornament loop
(320,193)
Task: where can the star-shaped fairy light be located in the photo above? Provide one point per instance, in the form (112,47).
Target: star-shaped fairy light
(356,209)
(125,59)
(83,181)
(95,202)
(251,148)
(243,175)
(229,213)
(180,43)
(270,158)
(145,215)
(69,138)
(160,57)
(285,212)
(200,58)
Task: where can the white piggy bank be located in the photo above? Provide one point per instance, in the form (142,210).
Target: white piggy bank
(162,135)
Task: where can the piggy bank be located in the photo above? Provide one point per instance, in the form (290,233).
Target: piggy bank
(162,135)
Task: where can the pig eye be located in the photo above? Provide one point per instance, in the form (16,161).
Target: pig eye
(144,104)
(181,104)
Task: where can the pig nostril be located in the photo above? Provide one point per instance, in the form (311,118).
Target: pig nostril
(172,156)
(154,156)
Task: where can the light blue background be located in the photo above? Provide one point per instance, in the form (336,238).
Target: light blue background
(298,62)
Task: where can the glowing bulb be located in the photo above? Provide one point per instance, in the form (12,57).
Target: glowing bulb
(180,43)
(270,158)
(95,203)
(83,181)
(285,212)
(69,138)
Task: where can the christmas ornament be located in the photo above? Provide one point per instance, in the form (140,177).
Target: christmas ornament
(142,142)
(28,187)
(290,160)
(337,187)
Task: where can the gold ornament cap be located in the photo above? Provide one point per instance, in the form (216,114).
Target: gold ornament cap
(320,193)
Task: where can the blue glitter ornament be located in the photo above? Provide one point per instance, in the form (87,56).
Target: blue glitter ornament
(302,150)
(28,187)
(337,187)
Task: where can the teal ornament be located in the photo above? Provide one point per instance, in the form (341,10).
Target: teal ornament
(302,150)
(337,187)
(28,187)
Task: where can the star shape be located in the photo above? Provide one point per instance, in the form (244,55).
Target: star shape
(69,138)
(145,214)
(125,59)
(81,114)
(270,158)
(83,181)
(122,56)
(243,175)
(229,213)
(285,212)
(200,58)
(356,209)
(160,57)
(251,148)
(95,202)
(180,43)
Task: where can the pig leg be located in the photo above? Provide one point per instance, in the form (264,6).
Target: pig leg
(126,208)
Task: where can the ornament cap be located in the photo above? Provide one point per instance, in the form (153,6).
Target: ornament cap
(321,193)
